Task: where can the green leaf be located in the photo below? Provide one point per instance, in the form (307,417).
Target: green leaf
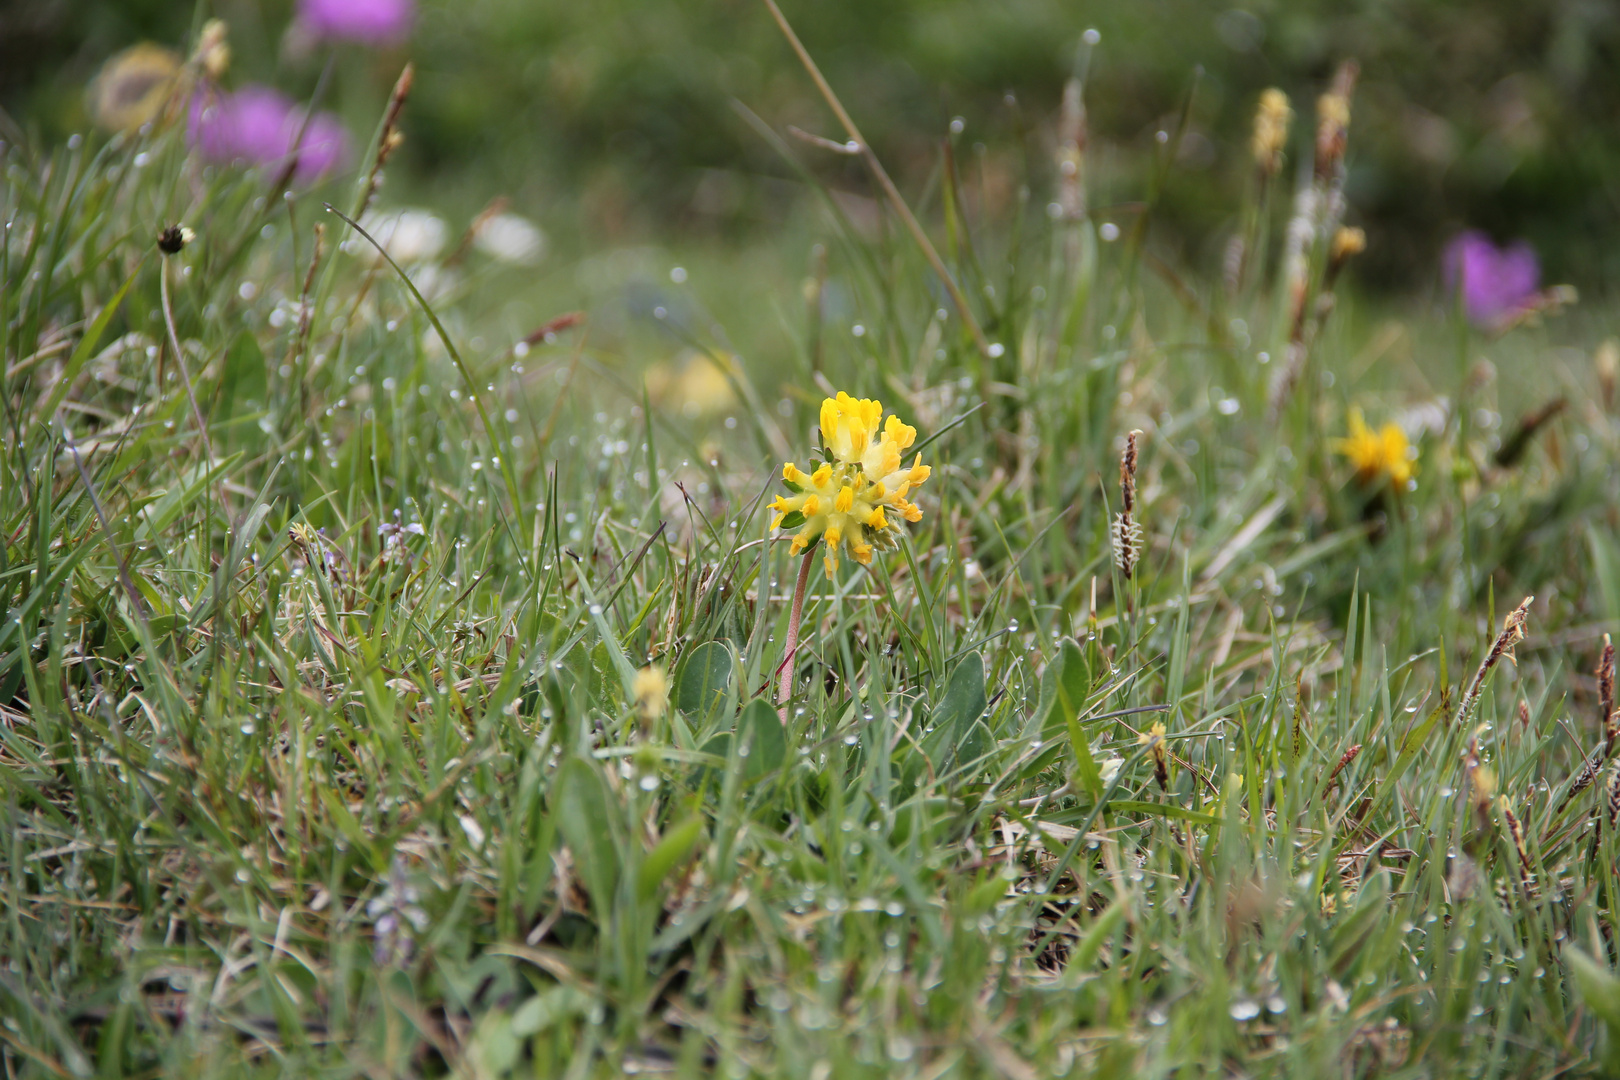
(545,1010)
(961,705)
(703,678)
(1600,991)
(584,808)
(670,851)
(975,744)
(983,896)
(494,1048)
(767,741)
(86,346)
(1064,686)
(1598,987)
(1085,953)
(791,521)
(604,680)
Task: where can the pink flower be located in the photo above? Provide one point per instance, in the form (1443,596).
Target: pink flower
(370,22)
(1495,281)
(259,125)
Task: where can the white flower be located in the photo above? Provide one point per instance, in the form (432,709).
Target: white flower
(407,235)
(510,238)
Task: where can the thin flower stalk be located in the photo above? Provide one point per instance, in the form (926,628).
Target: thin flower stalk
(1319,207)
(1272,116)
(1071,167)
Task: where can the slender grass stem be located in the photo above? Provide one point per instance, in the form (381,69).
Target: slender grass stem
(881,175)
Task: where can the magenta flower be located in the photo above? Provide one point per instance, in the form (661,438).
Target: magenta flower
(1495,281)
(260,125)
(370,22)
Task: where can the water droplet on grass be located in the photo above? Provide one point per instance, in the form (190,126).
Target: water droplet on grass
(1243,1010)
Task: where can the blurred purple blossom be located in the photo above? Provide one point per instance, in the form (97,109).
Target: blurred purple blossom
(1495,281)
(396,916)
(259,124)
(370,22)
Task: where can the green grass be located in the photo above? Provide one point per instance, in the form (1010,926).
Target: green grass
(294,787)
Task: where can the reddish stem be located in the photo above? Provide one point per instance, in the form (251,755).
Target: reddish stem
(784,689)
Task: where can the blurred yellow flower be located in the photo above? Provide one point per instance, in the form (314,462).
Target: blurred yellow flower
(1153,738)
(213,53)
(698,388)
(1271,130)
(650,689)
(849,499)
(133,87)
(1377,454)
(1347,242)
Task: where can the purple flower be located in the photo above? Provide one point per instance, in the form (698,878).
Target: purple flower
(370,22)
(260,125)
(1495,281)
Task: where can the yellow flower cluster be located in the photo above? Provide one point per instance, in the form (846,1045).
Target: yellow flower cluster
(849,498)
(1377,454)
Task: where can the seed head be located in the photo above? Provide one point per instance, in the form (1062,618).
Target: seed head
(1605,674)
(173,239)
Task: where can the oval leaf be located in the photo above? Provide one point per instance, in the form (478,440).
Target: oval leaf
(703,678)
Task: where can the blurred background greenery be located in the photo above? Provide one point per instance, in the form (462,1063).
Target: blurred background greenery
(612,123)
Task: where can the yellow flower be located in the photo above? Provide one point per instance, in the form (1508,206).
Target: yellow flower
(1271,130)
(699,388)
(650,689)
(1153,739)
(852,500)
(1375,455)
(134,86)
(1347,242)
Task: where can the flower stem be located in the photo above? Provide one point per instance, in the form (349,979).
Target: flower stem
(784,689)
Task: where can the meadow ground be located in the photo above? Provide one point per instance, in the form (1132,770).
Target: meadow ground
(383,693)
